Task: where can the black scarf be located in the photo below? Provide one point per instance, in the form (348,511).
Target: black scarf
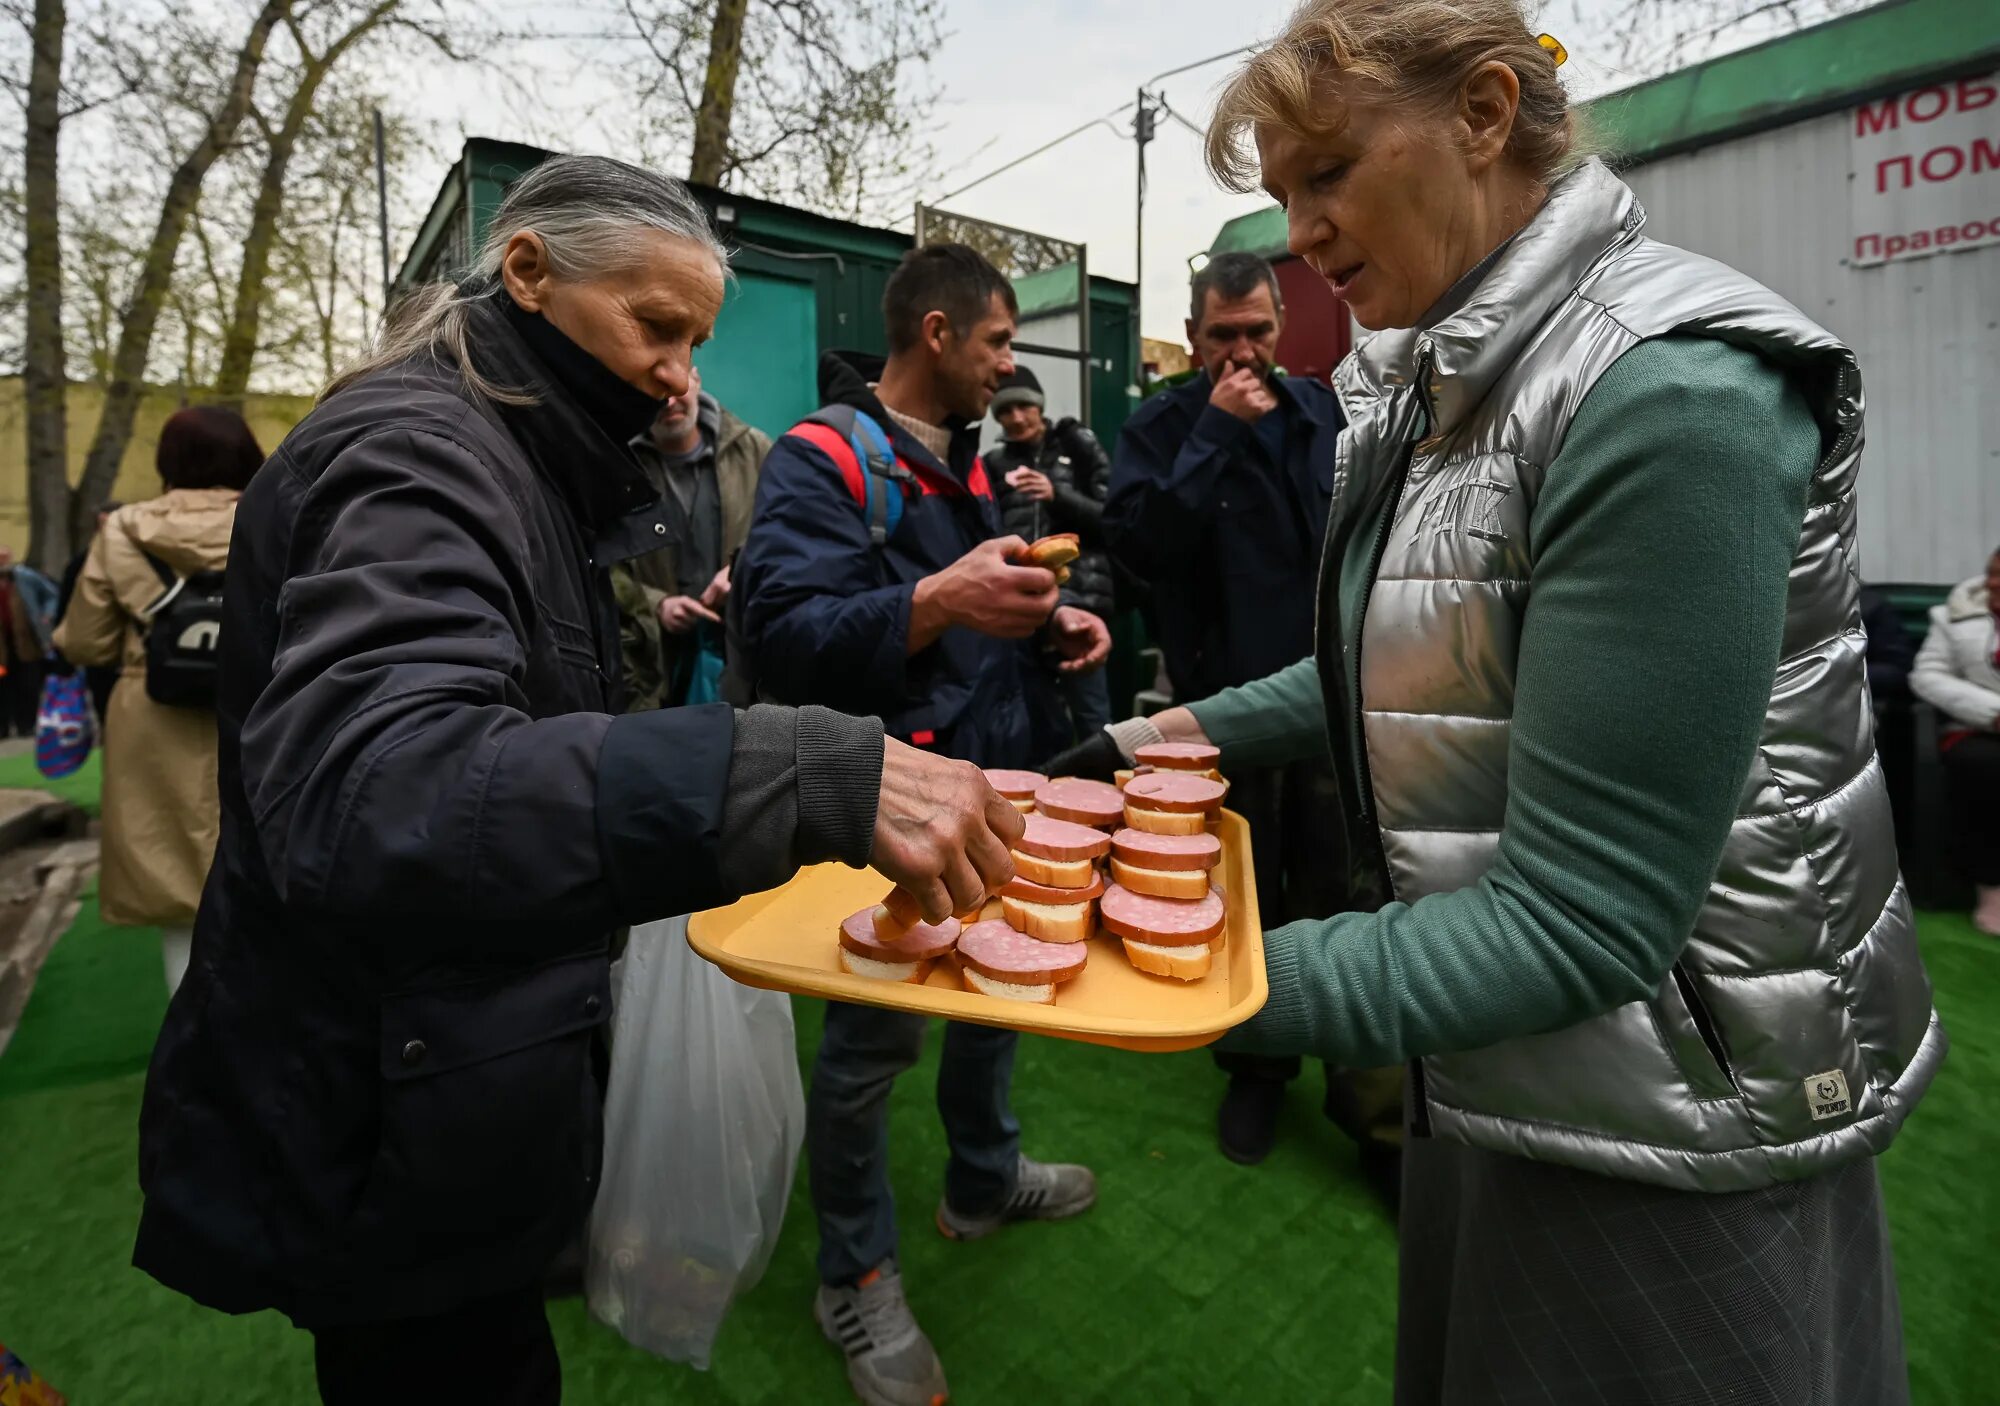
(580,427)
(620,410)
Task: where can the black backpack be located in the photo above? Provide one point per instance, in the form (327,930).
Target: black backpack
(184,638)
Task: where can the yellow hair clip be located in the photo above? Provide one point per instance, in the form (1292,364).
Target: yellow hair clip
(1554,46)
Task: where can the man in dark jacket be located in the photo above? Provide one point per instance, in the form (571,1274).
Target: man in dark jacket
(1048,479)
(1219,497)
(373,1104)
(927,627)
(704,462)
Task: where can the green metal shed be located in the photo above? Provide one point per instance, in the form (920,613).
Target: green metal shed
(804,284)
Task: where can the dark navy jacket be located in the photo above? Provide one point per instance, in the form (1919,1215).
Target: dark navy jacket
(373,1096)
(1230,543)
(826,614)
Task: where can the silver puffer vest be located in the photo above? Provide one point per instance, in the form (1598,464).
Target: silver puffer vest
(1796,1030)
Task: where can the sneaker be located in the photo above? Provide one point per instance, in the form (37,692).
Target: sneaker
(1042,1191)
(889,1360)
(1246,1126)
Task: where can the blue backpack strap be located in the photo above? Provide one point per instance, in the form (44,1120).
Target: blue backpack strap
(885,477)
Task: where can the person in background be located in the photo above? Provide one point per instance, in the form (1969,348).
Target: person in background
(929,630)
(1590,664)
(1958,673)
(22,654)
(704,461)
(1219,495)
(99,678)
(1051,478)
(160,812)
(375,1103)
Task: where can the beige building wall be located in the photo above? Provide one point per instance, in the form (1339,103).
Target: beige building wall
(1166,358)
(271,416)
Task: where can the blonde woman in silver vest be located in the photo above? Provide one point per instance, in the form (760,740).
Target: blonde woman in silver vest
(1591,669)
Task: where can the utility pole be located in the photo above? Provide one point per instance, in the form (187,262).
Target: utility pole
(1145,122)
(1143,127)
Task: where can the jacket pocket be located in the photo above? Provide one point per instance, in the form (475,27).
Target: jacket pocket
(1691,1032)
(490,1125)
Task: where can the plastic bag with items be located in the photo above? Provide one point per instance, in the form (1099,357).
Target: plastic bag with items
(703,1122)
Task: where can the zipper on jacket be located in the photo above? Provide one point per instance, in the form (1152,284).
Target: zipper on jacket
(1358,722)
(1420,1109)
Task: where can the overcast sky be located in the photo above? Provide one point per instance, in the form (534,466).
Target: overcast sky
(1014,74)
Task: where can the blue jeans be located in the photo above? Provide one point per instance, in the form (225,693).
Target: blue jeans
(861,1052)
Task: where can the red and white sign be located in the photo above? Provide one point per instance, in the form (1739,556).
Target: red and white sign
(1924,171)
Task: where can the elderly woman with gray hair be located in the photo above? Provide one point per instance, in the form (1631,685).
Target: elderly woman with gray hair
(1591,669)
(373,1105)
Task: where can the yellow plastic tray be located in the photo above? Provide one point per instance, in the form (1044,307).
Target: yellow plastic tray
(784,940)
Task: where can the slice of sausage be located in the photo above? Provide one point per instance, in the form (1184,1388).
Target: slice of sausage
(1149,851)
(1162,922)
(1084,802)
(1178,756)
(994,949)
(1015,785)
(920,943)
(1032,892)
(1049,838)
(1175,791)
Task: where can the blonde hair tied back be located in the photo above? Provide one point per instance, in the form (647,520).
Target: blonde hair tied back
(1413,52)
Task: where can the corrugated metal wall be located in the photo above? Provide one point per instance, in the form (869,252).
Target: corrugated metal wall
(1927,332)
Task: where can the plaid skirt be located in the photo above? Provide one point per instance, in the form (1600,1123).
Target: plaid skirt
(1527,1284)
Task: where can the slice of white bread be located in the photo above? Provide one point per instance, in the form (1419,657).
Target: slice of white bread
(1164,822)
(1042,995)
(911,972)
(1180,963)
(1056,873)
(1024,804)
(1160,883)
(1048,922)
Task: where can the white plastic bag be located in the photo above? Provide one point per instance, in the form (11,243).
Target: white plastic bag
(703,1122)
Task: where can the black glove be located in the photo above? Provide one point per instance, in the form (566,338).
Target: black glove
(1096,758)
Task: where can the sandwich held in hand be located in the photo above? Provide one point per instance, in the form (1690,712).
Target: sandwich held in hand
(1053,552)
(1164,936)
(995,960)
(1071,798)
(1172,802)
(907,957)
(1018,787)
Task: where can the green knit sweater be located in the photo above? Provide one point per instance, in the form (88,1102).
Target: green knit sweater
(1662,542)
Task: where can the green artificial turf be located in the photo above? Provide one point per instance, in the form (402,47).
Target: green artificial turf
(1193,1280)
(18,773)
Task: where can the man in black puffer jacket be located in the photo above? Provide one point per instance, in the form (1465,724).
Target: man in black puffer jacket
(1048,479)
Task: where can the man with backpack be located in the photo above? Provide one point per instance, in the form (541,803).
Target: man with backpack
(875,580)
(1051,477)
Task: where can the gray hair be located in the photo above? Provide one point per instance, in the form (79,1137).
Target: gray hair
(592,214)
(1231,276)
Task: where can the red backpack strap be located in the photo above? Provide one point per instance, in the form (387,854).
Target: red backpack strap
(837,447)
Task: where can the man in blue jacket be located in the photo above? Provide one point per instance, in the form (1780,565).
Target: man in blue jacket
(875,580)
(1219,496)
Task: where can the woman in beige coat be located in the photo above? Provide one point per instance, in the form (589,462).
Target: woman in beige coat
(160,806)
